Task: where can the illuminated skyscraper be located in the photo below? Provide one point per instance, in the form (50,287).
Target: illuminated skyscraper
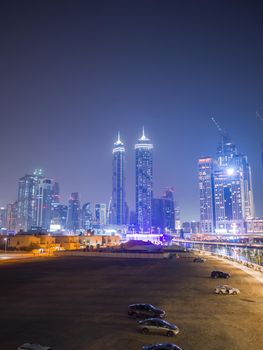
(3,217)
(144,183)
(100,214)
(229,200)
(73,218)
(86,216)
(11,216)
(226,195)
(43,203)
(206,194)
(27,200)
(118,184)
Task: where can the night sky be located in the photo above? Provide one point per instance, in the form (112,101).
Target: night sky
(73,73)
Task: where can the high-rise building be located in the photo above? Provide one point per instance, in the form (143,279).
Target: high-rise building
(11,216)
(206,194)
(226,195)
(73,218)
(118,184)
(144,183)
(27,200)
(229,201)
(55,192)
(59,215)
(43,203)
(100,214)
(158,223)
(248,190)
(87,216)
(169,209)
(163,212)
(3,217)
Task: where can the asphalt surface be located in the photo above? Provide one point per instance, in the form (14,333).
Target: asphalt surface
(81,303)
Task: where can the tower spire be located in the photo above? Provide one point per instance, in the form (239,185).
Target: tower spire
(118,142)
(143,138)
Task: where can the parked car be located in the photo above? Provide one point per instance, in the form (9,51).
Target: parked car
(158,326)
(145,310)
(31,346)
(226,290)
(220,274)
(162,346)
(199,260)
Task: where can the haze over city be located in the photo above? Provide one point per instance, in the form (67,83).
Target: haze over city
(72,76)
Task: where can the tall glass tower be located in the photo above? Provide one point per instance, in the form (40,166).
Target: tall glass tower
(73,218)
(118,183)
(144,183)
(27,200)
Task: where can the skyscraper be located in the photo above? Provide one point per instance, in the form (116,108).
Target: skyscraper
(100,214)
(73,218)
(226,195)
(27,199)
(3,217)
(144,183)
(206,194)
(163,212)
(118,184)
(87,216)
(169,209)
(11,216)
(59,215)
(43,203)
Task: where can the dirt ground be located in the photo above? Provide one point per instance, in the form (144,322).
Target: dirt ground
(81,303)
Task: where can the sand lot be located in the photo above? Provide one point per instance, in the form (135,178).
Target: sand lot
(81,304)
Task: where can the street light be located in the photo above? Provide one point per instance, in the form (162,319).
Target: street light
(5,239)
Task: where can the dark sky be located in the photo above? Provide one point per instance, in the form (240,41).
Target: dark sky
(73,73)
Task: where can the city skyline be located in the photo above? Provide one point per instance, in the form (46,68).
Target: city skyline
(117,145)
(71,80)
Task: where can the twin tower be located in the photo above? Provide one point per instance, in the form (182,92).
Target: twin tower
(144,184)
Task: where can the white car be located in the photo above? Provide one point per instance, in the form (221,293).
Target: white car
(226,290)
(30,346)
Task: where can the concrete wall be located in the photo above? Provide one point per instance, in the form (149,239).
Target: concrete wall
(115,255)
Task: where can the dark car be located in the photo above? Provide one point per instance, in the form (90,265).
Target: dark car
(220,274)
(163,346)
(199,260)
(158,326)
(145,310)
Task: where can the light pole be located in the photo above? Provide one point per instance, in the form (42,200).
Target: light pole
(5,239)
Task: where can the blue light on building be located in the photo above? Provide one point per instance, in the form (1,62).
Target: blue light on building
(144,183)
(118,184)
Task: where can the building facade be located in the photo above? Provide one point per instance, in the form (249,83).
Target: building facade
(144,183)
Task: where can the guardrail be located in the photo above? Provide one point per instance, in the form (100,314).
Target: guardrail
(248,264)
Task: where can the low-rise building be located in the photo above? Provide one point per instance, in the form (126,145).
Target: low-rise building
(31,242)
(254,225)
(68,242)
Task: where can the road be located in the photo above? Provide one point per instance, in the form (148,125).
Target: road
(81,303)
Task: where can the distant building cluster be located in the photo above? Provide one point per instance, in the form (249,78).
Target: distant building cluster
(226,193)
(38,207)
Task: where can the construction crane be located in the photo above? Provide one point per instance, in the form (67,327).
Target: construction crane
(217,125)
(259,116)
